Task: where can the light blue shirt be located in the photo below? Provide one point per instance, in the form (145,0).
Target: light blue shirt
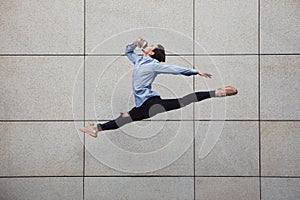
(144,72)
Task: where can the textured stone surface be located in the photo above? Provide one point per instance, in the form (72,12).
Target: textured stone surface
(280,148)
(280,188)
(47,188)
(238,71)
(41,26)
(165,150)
(109,87)
(280,28)
(41,88)
(235,152)
(137,188)
(45,84)
(280,87)
(111,24)
(40,149)
(227,188)
(226,26)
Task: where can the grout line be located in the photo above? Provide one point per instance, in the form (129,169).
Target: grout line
(280,176)
(229,120)
(84,101)
(46,120)
(158,120)
(113,176)
(183,54)
(259,87)
(41,55)
(252,54)
(216,176)
(70,176)
(194,135)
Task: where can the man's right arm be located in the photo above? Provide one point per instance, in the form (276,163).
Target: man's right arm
(129,52)
(174,69)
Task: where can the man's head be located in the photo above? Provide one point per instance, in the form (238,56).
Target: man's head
(156,51)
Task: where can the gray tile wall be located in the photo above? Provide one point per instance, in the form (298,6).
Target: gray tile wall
(62,66)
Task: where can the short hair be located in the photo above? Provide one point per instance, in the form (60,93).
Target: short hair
(159,53)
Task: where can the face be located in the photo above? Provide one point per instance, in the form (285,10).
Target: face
(149,50)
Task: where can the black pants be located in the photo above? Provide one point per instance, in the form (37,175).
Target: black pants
(153,106)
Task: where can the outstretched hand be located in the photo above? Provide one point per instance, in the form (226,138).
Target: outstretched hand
(204,74)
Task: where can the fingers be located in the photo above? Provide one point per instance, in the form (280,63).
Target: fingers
(206,75)
(139,42)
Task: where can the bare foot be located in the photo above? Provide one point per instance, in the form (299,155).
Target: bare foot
(91,129)
(226,91)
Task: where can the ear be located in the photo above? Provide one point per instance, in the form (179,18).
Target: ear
(151,53)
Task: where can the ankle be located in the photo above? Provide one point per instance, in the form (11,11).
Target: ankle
(212,93)
(98,127)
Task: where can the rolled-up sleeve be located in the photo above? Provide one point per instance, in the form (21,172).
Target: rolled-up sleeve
(129,52)
(174,69)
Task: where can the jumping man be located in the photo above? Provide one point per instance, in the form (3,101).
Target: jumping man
(148,102)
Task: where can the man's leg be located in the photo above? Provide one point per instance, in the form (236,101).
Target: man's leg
(116,123)
(135,114)
(93,128)
(172,104)
(157,105)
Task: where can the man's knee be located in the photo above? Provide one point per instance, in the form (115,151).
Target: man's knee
(156,109)
(188,99)
(123,119)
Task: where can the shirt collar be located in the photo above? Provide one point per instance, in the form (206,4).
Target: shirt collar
(147,59)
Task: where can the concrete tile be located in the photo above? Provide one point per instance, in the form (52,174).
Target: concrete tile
(41,27)
(136,188)
(279,92)
(41,188)
(280,28)
(142,148)
(280,148)
(227,188)
(238,71)
(226,26)
(226,148)
(109,87)
(280,188)
(40,149)
(41,88)
(113,24)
